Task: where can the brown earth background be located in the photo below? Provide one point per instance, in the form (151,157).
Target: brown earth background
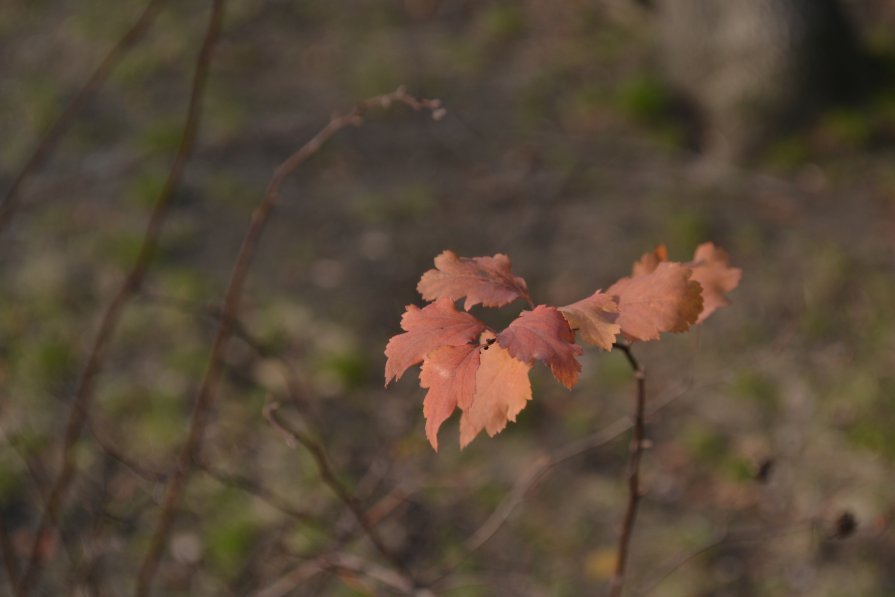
(562,147)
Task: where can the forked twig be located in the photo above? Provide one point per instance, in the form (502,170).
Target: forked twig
(9,202)
(84,392)
(637,444)
(230,310)
(295,437)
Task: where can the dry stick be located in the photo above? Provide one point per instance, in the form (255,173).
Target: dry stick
(725,538)
(292,579)
(637,442)
(10,566)
(539,470)
(112,315)
(338,561)
(256,489)
(109,449)
(51,138)
(229,312)
(330,479)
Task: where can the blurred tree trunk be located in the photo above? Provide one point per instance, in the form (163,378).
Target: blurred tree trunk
(754,69)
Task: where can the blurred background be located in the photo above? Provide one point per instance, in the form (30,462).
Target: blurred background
(578,135)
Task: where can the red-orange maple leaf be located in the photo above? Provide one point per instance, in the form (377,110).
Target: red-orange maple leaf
(711,269)
(594,319)
(426,329)
(467,366)
(502,390)
(486,280)
(664,300)
(449,373)
(544,334)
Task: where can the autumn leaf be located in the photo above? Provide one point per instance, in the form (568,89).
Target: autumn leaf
(466,366)
(426,329)
(594,319)
(449,373)
(502,390)
(543,334)
(486,280)
(665,300)
(650,261)
(711,269)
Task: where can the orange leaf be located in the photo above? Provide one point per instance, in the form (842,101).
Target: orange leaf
(650,261)
(426,329)
(502,390)
(449,373)
(665,300)
(711,269)
(594,319)
(544,334)
(486,280)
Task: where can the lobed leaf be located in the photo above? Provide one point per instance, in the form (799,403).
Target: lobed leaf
(502,390)
(449,373)
(648,262)
(427,329)
(712,270)
(594,319)
(543,334)
(486,280)
(664,300)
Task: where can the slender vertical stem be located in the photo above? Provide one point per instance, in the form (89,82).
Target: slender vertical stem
(10,565)
(637,441)
(229,312)
(9,201)
(80,404)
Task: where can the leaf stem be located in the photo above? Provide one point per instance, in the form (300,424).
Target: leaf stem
(637,442)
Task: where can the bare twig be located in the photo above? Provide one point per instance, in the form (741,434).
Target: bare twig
(295,437)
(345,563)
(10,565)
(637,444)
(726,537)
(119,456)
(256,489)
(63,122)
(112,315)
(230,311)
(537,473)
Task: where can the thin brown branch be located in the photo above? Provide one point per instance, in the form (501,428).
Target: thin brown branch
(536,474)
(637,444)
(10,565)
(230,312)
(295,437)
(63,122)
(726,537)
(112,315)
(254,488)
(341,562)
(119,456)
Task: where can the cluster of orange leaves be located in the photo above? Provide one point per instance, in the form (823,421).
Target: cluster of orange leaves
(484,373)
